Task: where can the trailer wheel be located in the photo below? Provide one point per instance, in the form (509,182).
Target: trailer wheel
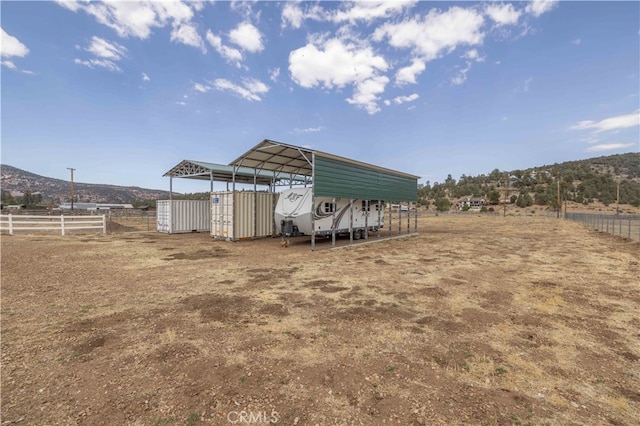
(357,234)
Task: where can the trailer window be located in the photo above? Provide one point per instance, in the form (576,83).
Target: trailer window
(329,207)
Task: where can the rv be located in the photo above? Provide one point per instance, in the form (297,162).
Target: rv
(295,214)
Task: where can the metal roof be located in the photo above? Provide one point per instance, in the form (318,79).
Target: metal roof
(219,172)
(331,175)
(284,158)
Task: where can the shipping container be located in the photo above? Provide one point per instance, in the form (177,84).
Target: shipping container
(242,214)
(180,216)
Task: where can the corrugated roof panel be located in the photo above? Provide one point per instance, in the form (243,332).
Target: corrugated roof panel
(339,179)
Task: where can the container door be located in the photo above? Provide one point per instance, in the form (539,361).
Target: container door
(163,216)
(217,214)
(227,215)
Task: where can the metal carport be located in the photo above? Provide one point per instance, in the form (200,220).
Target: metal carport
(201,170)
(331,175)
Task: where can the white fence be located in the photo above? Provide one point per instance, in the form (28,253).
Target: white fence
(13,223)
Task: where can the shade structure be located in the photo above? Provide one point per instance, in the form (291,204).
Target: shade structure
(331,175)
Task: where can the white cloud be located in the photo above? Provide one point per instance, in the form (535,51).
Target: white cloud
(145,77)
(181,103)
(202,88)
(247,37)
(613,123)
(473,55)
(294,13)
(336,64)
(403,99)
(527,84)
(104,49)
(107,53)
(608,147)
(139,18)
(461,76)
(9,64)
(250,89)
(309,130)
(101,63)
(188,34)
(503,14)
(11,46)
(274,74)
(370,10)
(230,54)
(408,74)
(435,34)
(576,41)
(538,7)
(366,93)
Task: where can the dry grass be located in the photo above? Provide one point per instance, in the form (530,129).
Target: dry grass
(479,320)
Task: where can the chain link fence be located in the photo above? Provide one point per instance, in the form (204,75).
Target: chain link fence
(625,226)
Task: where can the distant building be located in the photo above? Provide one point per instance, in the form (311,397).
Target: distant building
(13,207)
(95,206)
(474,203)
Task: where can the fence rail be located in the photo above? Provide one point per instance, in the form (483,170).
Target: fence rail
(625,226)
(13,223)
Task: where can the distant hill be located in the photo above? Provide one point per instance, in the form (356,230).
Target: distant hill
(16,182)
(594,180)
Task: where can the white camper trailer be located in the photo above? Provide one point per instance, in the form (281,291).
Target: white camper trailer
(296,215)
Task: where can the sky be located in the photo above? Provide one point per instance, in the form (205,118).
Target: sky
(123,91)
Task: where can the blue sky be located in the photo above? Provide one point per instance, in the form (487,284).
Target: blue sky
(123,91)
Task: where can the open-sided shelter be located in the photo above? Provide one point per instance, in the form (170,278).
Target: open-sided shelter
(330,175)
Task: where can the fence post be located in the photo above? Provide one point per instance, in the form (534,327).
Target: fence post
(62,224)
(620,225)
(629,228)
(104,224)
(10,224)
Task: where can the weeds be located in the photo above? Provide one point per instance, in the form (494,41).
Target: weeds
(192,419)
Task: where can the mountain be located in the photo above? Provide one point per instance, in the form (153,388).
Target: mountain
(16,182)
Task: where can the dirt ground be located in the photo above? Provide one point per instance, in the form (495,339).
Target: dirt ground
(479,320)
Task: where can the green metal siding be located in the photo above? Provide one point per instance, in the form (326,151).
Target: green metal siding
(339,179)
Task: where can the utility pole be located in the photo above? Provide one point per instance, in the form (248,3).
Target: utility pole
(559,205)
(72,169)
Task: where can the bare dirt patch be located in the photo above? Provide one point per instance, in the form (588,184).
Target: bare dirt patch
(478,320)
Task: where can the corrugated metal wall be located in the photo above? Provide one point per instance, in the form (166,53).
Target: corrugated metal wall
(242,215)
(180,216)
(334,178)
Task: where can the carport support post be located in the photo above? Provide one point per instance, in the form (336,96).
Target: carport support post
(333,225)
(390,216)
(351,221)
(409,217)
(399,218)
(170,190)
(313,202)
(366,219)
(379,208)
(415,228)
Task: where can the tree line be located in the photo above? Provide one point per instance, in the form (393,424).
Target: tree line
(586,181)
